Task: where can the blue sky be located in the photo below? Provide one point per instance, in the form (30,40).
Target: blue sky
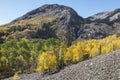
(11,9)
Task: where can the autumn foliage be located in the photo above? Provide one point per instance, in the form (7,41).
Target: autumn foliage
(47,61)
(26,56)
(79,51)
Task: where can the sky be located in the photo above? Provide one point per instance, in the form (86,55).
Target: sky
(11,9)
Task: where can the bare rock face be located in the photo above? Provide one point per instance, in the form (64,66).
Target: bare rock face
(95,30)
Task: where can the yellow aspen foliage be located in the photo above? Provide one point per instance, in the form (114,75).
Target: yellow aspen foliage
(43,59)
(67,56)
(47,61)
(116,44)
(87,49)
(94,52)
(16,77)
(107,48)
(110,47)
(76,54)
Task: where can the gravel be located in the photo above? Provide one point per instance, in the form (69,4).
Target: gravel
(103,67)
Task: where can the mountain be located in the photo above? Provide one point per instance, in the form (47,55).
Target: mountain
(48,21)
(101,25)
(103,67)
(106,17)
(61,22)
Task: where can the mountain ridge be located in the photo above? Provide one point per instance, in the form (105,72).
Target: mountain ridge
(62,22)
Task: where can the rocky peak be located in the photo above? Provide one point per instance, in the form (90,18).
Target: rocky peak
(49,21)
(62,22)
(105,17)
(107,23)
(49,10)
(99,16)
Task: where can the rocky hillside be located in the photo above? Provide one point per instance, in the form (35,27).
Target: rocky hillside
(103,67)
(62,22)
(109,16)
(102,24)
(48,21)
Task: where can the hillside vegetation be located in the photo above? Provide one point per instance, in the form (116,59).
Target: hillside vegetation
(22,55)
(49,56)
(25,28)
(102,67)
(77,52)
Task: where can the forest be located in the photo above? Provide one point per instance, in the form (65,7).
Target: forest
(50,55)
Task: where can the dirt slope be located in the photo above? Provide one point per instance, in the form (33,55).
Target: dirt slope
(103,67)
